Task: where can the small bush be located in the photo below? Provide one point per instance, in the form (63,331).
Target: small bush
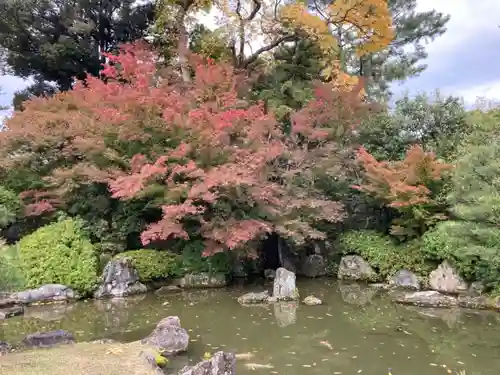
(152,264)
(59,253)
(10,206)
(11,276)
(192,260)
(384,254)
(472,247)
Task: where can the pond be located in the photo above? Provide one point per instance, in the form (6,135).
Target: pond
(351,333)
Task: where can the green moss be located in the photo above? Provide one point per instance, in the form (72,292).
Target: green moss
(151,264)
(59,253)
(384,254)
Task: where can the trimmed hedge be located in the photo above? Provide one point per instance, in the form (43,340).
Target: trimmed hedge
(384,254)
(151,264)
(59,253)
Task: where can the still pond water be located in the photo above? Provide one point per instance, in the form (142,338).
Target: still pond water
(352,333)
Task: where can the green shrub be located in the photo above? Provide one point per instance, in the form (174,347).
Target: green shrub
(59,253)
(474,249)
(10,206)
(151,264)
(192,261)
(11,276)
(384,254)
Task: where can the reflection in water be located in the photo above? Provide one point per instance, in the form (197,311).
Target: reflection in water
(353,330)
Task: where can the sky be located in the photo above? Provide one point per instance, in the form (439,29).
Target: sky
(462,62)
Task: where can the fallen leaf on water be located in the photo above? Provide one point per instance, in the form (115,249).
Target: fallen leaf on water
(255,366)
(337,373)
(326,344)
(460,363)
(360,371)
(433,364)
(328,314)
(244,356)
(325,359)
(286,337)
(292,353)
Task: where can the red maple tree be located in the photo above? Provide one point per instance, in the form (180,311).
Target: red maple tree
(406,186)
(227,170)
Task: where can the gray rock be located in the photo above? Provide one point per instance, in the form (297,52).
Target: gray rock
(355,294)
(7,302)
(285,313)
(169,338)
(446,279)
(119,279)
(312,301)
(353,267)
(48,339)
(476,302)
(405,279)
(167,289)
(46,293)
(254,298)
(270,274)
(203,280)
(476,288)
(221,363)
(5,348)
(429,298)
(284,288)
(9,312)
(314,266)
(150,358)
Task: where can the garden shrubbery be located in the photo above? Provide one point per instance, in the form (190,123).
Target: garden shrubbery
(59,253)
(152,264)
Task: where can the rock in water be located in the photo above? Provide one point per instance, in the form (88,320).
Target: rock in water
(46,293)
(284,288)
(203,280)
(405,279)
(254,298)
(355,268)
(168,337)
(429,298)
(119,279)
(446,279)
(5,348)
(9,312)
(312,301)
(48,339)
(314,266)
(221,363)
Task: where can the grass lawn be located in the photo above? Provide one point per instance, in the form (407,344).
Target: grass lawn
(78,359)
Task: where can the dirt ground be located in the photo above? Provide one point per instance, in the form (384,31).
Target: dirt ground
(78,359)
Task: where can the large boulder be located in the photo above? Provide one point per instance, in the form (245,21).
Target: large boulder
(9,312)
(48,339)
(119,279)
(445,279)
(254,298)
(221,363)
(429,298)
(355,268)
(45,293)
(405,279)
(313,265)
(284,288)
(203,280)
(168,338)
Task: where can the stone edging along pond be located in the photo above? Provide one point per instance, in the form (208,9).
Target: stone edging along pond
(442,288)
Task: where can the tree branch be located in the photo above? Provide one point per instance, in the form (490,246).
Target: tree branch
(270,46)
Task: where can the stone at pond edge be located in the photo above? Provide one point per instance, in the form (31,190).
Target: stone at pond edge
(48,339)
(476,302)
(9,312)
(355,268)
(254,298)
(312,301)
(284,288)
(476,288)
(405,279)
(446,279)
(168,289)
(221,363)
(429,298)
(314,266)
(5,348)
(168,337)
(45,293)
(203,280)
(7,302)
(119,279)
(150,356)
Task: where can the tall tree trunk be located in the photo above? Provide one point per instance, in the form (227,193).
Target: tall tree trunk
(182,46)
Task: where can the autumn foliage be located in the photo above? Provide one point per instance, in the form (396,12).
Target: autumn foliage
(406,186)
(224,168)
